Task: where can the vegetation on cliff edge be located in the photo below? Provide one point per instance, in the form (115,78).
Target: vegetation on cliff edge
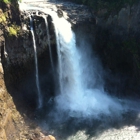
(9,1)
(9,17)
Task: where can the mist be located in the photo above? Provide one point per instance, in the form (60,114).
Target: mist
(80,93)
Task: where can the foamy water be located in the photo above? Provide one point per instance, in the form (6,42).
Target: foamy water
(79,93)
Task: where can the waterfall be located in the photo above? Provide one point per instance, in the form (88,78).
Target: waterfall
(48,40)
(36,65)
(80,93)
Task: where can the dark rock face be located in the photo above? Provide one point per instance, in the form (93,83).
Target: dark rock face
(59,13)
(17,54)
(117,42)
(22,45)
(77,14)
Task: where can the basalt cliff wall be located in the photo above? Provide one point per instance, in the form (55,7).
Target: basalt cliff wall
(117,42)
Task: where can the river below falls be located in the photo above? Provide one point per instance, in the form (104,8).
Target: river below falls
(126,127)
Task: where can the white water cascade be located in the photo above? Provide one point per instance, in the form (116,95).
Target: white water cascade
(79,94)
(48,40)
(36,65)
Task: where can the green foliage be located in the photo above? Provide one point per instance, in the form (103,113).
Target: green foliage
(8,1)
(3,19)
(13,30)
(5,1)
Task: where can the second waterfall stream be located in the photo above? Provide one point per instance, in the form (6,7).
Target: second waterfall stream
(36,66)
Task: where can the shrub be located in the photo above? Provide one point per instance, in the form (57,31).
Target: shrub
(8,1)
(13,30)
(5,1)
(2,18)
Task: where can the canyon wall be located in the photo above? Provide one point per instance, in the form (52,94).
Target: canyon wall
(117,42)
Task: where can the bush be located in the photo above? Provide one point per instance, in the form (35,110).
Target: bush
(2,19)
(13,30)
(9,1)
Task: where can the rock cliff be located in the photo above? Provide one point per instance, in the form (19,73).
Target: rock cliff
(117,42)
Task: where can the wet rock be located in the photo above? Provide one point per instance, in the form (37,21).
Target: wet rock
(123,17)
(59,13)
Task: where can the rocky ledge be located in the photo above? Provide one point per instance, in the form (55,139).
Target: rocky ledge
(74,13)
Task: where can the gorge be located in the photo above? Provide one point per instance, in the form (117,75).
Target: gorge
(57,79)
